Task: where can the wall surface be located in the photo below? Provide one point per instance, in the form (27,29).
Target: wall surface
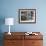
(9,8)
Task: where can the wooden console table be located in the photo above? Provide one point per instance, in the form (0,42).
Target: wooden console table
(20,39)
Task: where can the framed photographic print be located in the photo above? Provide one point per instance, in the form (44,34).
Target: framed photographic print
(27,15)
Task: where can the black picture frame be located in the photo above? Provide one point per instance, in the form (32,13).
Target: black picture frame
(27,15)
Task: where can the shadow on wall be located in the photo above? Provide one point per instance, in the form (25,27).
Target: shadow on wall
(2,21)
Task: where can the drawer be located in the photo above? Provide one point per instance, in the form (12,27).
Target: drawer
(9,43)
(16,37)
(13,43)
(37,43)
(33,37)
(33,43)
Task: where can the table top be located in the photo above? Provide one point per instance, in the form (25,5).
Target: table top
(22,33)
